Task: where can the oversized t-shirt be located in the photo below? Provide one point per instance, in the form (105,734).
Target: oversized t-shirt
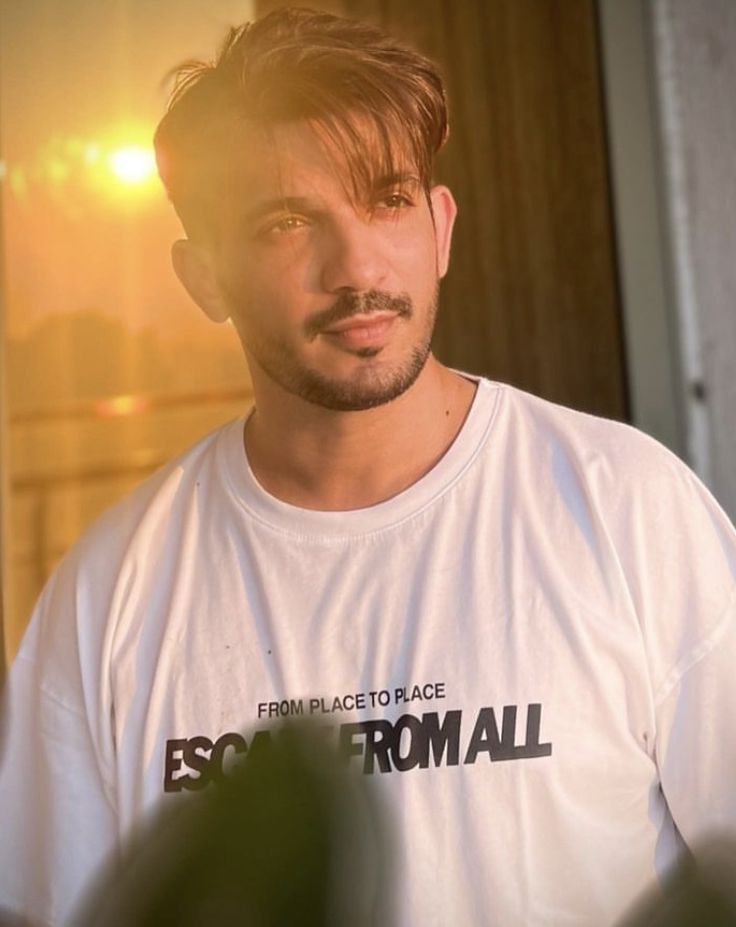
(531,651)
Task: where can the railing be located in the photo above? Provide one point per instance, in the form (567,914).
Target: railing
(126,405)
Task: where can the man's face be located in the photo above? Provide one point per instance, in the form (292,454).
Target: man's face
(334,301)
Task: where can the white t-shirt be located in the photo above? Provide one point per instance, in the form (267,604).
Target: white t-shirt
(531,651)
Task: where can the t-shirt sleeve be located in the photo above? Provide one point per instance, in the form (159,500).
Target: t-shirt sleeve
(679,556)
(56,791)
(696,741)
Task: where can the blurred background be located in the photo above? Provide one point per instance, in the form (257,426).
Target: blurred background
(594,262)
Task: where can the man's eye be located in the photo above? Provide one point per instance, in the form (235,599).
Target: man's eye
(395,201)
(285,225)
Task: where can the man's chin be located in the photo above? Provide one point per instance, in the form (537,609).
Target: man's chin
(369,389)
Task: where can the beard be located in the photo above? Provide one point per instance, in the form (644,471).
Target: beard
(374,383)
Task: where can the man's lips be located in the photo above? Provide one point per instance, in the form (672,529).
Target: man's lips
(362,324)
(361,331)
(353,312)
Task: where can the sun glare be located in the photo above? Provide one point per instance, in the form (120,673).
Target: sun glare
(116,169)
(132,164)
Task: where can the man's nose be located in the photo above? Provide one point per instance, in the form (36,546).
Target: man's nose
(353,257)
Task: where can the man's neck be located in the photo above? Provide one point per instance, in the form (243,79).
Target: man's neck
(335,461)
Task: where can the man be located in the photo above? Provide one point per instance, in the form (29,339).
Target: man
(521,619)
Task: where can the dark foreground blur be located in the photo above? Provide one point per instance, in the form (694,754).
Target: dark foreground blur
(290,837)
(701,893)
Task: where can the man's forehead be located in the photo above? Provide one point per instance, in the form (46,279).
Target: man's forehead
(298,160)
(282,154)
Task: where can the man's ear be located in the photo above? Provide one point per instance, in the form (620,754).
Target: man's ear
(193,265)
(444,211)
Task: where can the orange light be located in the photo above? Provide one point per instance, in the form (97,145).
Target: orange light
(120,406)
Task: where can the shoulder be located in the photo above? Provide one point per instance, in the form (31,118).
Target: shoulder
(647,518)
(611,459)
(613,467)
(126,548)
(156,507)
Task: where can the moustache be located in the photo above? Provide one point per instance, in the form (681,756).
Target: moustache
(350,304)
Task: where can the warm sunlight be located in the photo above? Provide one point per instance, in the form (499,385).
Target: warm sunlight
(117,168)
(132,164)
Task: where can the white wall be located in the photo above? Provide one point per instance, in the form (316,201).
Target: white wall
(694,54)
(670,89)
(650,325)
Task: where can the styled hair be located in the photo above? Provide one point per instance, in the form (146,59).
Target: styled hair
(378,104)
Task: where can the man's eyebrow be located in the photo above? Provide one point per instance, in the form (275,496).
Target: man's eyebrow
(281,204)
(397,179)
(278,204)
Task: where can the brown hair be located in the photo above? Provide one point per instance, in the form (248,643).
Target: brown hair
(378,103)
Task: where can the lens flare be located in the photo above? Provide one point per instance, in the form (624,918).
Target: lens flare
(132,164)
(113,171)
